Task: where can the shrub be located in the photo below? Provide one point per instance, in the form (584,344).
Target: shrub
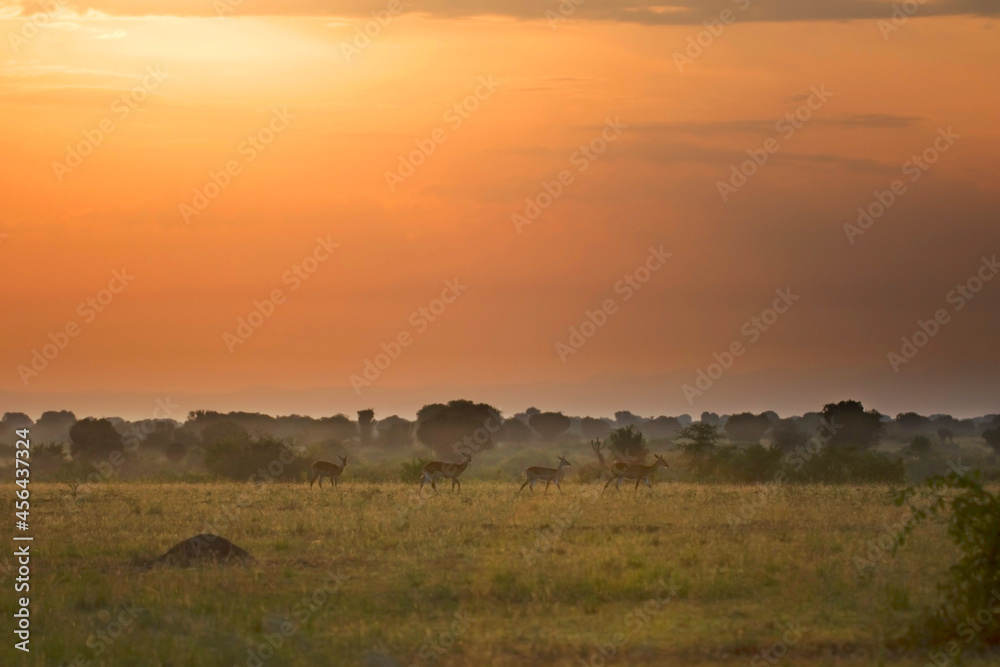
(972,518)
(411,471)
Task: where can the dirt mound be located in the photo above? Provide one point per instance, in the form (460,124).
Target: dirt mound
(202,548)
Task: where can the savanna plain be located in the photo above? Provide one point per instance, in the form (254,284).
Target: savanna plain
(374,573)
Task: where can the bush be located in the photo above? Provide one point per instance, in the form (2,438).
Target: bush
(411,471)
(265,458)
(973,520)
(849,465)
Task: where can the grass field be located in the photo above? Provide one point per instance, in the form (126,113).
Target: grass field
(375,575)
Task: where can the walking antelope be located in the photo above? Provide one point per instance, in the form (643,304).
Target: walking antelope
(615,466)
(436,470)
(638,473)
(321,469)
(548,475)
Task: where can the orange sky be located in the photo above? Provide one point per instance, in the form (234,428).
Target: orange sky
(345,116)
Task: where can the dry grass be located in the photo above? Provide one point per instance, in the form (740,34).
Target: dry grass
(534,579)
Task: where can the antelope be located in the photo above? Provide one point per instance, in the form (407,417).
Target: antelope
(638,473)
(321,469)
(436,470)
(548,475)
(615,467)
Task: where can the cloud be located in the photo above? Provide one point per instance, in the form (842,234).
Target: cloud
(762,126)
(651,12)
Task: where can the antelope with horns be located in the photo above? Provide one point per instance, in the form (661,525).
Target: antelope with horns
(547,475)
(436,470)
(638,473)
(321,469)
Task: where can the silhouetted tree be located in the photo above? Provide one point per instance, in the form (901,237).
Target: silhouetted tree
(626,418)
(366,423)
(786,435)
(93,439)
(992,438)
(338,427)
(921,445)
(710,418)
(945,434)
(223,430)
(458,426)
(747,427)
(628,444)
(515,432)
(661,427)
(593,428)
(53,426)
(17,420)
(395,431)
(549,425)
(911,421)
(858,427)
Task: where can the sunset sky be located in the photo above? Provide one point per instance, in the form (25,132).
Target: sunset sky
(120,115)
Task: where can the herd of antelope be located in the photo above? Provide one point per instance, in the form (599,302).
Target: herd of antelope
(437,470)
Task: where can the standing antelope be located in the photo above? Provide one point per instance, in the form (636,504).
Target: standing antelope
(323,469)
(548,475)
(436,470)
(638,473)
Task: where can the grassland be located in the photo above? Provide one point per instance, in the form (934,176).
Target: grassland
(661,576)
